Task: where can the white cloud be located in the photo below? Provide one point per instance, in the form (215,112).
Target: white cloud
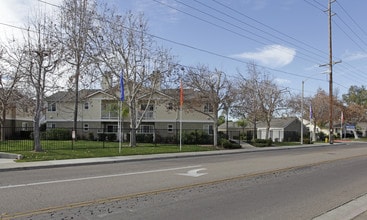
(281,81)
(159,12)
(272,55)
(349,56)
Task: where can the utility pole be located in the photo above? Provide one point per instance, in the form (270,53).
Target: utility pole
(330,64)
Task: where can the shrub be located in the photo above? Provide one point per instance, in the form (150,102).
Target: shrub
(226,144)
(101,136)
(144,138)
(307,141)
(90,136)
(111,137)
(263,142)
(197,137)
(56,134)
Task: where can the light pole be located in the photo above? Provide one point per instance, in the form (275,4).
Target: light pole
(303,88)
(302,108)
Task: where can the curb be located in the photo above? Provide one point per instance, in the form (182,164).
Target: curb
(10,156)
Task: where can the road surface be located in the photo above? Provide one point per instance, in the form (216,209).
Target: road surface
(281,184)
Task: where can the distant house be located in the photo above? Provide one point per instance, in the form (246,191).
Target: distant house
(362,126)
(234,130)
(282,129)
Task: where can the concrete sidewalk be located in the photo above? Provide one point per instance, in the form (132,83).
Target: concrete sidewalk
(8,161)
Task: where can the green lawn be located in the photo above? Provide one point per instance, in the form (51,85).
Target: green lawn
(58,150)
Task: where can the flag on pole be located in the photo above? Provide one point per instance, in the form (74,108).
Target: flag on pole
(122,97)
(342,117)
(310,112)
(181,94)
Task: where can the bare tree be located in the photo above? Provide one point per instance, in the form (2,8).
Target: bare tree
(211,89)
(248,104)
(271,100)
(41,59)
(123,47)
(75,26)
(11,59)
(258,97)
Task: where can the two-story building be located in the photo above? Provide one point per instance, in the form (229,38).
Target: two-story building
(18,116)
(98,112)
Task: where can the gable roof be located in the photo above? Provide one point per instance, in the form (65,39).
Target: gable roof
(66,96)
(278,122)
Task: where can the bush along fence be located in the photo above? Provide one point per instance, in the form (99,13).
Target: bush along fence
(61,138)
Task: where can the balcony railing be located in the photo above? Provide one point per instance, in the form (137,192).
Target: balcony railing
(109,115)
(149,115)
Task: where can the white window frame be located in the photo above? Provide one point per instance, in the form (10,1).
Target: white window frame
(146,129)
(170,128)
(170,106)
(51,107)
(25,126)
(208,108)
(51,125)
(208,128)
(86,127)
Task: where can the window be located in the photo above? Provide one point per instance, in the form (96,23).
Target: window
(86,105)
(146,129)
(51,125)
(149,108)
(51,107)
(170,106)
(86,127)
(208,129)
(24,126)
(208,108)
(112,128)
(170,128)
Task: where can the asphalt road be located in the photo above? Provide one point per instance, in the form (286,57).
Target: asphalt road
(282,184)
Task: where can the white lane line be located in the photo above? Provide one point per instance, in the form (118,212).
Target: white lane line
(98,177)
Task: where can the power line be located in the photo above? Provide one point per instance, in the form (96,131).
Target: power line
(269,27)
(17,27)
(258,29)
(211,52)
(350,17)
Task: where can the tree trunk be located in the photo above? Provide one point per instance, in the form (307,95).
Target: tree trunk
(133,125)
(3,119)
(215,133)
(255,129)
(36,127)
(75,124)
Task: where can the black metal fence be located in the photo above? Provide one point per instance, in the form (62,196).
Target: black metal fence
(19,139)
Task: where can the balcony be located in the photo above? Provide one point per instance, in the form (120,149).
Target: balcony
(149,115)
(109,115)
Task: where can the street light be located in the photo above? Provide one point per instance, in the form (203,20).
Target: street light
(302,101)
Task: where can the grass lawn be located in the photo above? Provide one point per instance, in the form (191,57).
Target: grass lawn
(83,149)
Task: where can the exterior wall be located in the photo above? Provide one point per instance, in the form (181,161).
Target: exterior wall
(295,126)
(100,115)
(18,121)
(276,134)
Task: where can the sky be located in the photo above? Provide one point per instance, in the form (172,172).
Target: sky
(288,39)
